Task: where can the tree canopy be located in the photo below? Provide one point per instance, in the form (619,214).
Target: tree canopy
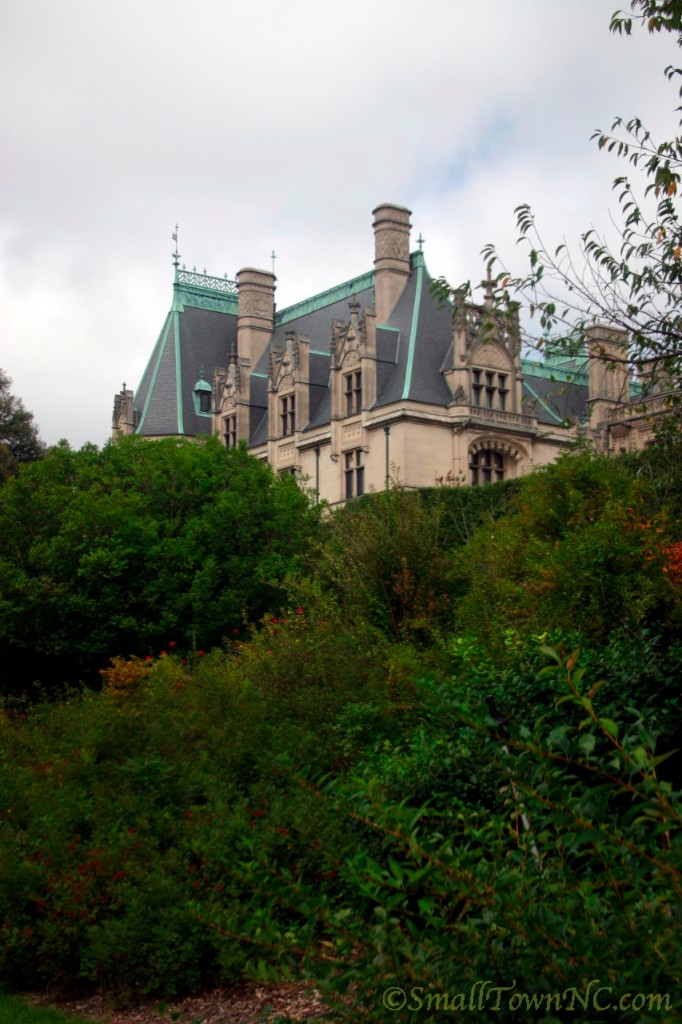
(129,548)
(19,439)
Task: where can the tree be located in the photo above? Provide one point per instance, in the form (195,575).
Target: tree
(19,440)
(123,550)
(635,287)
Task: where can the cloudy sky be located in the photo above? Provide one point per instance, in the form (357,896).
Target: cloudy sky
(280,125)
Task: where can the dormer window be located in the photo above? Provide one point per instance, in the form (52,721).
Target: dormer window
(352,392)
(489,389)
(203,396)
(287,413)
(231,431)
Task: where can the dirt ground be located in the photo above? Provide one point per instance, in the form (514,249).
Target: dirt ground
(243,1004)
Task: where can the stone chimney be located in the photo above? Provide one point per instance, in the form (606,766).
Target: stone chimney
(391,257)
(255,312)
(609,371)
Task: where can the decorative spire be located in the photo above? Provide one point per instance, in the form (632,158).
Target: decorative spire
(176,254)
(487,284)
(273,257)
(420,241)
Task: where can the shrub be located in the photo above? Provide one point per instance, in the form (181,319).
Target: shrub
(571,882)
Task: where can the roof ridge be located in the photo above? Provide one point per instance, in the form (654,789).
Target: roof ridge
(326,298)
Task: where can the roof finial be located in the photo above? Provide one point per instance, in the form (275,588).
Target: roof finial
(176,254)
(487,284)
(273,257)
(420,241)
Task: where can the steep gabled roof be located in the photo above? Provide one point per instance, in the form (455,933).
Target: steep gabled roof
(416,337)
(198,333)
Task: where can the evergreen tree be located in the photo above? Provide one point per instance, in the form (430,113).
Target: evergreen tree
(19,438)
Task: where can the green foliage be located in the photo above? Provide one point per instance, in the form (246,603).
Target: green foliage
(573,875)
(122,812)
(16,1011)
(19,439)
(634,286)
(659,465)
(324,793)
(391,559)
(384,558)
(117,551)
(578,548)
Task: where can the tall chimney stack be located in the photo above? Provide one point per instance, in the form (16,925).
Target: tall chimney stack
(255,312)
(391,257)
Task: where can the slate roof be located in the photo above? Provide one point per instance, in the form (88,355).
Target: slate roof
(193,339)
(200,332)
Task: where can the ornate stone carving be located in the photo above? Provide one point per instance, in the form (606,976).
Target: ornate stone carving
(254,304)
(353,432)
(287,451)
(491,355)
(497,445)
(460,395)
(392,245)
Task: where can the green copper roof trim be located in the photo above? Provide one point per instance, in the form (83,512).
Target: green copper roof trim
(178,372)
(413,329)
(555,368)
(205,281)
(323,299)
(202,298)
(161,341)
(533,368)
(543,404)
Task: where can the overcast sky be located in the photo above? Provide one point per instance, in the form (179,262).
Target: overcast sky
(280,124)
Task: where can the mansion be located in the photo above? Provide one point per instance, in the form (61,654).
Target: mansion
(373,378)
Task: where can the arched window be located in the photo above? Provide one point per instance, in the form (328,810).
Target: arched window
(486,466)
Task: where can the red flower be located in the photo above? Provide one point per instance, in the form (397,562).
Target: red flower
(299,611)
(171,643)
(201,654)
